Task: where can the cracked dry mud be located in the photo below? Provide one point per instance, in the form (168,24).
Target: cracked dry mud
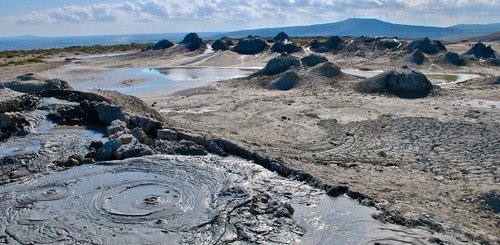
(425,163)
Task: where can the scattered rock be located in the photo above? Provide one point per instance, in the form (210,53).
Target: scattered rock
(427,46)
(251,46)
(14,101)
(31,83)
(74,160)
(166,134)
(287,81)
(403,82)
(182,147)
(313,59)
(328,69)
(126,138)
(280,64)
(192,41)
(108,113)
(454,59)
(220,45)
(481,51)
(117,126)
(334,43)
(281,37)
(12,122)
(133,149)
(285,47)
(108,150)
(82,114)
(163,44)
(139,134)
(149,125)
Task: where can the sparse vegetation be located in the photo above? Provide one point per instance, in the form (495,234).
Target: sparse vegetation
(95,49)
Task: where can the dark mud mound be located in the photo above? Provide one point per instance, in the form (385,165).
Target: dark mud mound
(220,45)
(494,62)
(334,43)
(280,64)
(163,44)
(391,43)
(481,51)
(192,41)
(427,46)
(313,59)
(31,83)
(403,82)
(287,81)
(454,59)
(328,69)
(362,46)
(285,47)
(251,46)
(416,57)
(281,37)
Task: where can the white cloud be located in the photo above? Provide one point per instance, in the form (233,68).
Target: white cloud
(272,11)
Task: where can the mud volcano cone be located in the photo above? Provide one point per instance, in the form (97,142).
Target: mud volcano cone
(251,46)
(416,57)
(287,81)
(220,45)
(163,44)
(403,82)
(481,51)
(192,41)
(280,64)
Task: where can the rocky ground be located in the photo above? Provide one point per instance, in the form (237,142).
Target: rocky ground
(430,162)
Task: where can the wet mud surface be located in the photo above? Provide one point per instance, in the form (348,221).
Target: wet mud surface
(42,144)
(186,199)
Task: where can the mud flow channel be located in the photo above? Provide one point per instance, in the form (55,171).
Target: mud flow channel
(165,199)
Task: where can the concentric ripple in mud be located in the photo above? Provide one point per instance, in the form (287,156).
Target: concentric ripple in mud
(190,200)
(160,195)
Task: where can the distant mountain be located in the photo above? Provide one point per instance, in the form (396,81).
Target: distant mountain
(37,42)
(373,27)
(487,38)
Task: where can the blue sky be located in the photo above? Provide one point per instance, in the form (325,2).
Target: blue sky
(72,17)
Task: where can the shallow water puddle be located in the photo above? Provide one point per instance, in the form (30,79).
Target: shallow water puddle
(150,82)
(186,199)
(43,132)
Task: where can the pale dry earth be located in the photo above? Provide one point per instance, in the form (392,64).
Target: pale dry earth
(425,162)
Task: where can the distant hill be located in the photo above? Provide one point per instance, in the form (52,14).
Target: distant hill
(487,38)
(37,42)
(373,27)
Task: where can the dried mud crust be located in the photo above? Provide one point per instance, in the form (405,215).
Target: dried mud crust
(453,150)
(424,163)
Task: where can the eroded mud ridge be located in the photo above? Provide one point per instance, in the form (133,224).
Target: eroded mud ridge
(183,199)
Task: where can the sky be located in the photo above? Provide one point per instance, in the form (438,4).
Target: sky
(101,17)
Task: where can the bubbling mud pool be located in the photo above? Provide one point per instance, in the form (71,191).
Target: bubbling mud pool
(166,199)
